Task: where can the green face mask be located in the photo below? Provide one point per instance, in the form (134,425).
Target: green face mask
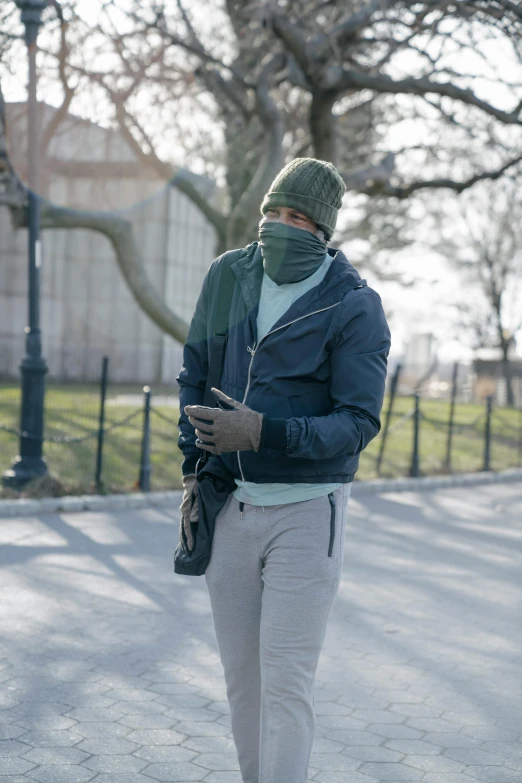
(289,254)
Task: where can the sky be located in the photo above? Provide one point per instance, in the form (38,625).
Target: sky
(424,307)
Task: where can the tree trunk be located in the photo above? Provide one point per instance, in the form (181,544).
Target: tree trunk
(508,376)
(323,126)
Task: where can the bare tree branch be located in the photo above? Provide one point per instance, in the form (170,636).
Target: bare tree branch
(167,172)
(214,77)
(442,182)
(370,177)
(273,122)
(293,40)
(120,233)
(352,80)
(348,27)
(68,92)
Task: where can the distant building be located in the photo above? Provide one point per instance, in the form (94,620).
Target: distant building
(87,310)
(489,375)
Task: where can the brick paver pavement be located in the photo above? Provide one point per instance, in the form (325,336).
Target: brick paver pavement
(110,671)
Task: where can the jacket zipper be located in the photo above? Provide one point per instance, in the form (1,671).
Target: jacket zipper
(332,523)
(253,350)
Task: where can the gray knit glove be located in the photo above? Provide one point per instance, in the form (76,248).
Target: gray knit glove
(219,430)
(189,508)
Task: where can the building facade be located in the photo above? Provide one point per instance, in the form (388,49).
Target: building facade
(87,310)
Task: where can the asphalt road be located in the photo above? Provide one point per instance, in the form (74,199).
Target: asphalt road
(110,673)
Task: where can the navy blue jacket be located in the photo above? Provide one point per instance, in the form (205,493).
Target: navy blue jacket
(318,375)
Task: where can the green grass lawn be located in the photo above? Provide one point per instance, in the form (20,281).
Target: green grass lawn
(72,412)
(467,452)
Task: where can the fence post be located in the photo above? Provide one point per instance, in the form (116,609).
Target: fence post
(519,461)
(384,436)
(101,426)
(415,460)
(487,435)
(145,468)
(447,461)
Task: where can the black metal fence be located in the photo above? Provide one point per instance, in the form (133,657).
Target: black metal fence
(447,438)
(101,438)
(108,438)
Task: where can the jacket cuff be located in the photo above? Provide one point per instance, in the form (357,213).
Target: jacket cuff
(273,434)
(189,463)
(294,434)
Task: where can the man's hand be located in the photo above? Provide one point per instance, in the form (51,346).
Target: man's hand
(189,508)
(219,430)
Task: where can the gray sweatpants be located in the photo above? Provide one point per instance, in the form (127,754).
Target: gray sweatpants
(271,584)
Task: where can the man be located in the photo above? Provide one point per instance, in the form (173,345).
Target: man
(301,393)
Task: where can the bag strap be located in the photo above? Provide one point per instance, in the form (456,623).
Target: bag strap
(220,327)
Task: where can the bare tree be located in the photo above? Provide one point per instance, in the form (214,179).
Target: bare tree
(480,237)
(340,62)
(239,88)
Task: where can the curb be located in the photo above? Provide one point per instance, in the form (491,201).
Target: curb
(70,503)
(133,500)
(374,486)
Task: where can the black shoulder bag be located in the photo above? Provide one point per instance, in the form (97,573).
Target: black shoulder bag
(214,480)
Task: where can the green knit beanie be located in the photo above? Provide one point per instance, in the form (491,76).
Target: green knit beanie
(314,187)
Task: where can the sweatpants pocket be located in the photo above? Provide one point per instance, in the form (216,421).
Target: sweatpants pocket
(332,523)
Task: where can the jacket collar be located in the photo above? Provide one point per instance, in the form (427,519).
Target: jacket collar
(248,270)
(341,276)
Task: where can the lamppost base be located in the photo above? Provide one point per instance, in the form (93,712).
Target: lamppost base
(24,469)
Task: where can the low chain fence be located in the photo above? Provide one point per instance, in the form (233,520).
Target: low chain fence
(100,437)
(105,438)
(428,437)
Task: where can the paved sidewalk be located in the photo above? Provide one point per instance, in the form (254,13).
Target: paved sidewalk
(110,671)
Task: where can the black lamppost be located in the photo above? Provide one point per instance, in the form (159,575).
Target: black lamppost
(30,464)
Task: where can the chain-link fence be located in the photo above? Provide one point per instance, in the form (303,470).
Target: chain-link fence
(108,438)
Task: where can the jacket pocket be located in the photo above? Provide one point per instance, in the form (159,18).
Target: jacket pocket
(332,523)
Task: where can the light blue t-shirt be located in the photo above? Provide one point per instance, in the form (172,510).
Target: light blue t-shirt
(274,301)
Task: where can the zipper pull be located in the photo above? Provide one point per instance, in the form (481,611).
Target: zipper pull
(251,350)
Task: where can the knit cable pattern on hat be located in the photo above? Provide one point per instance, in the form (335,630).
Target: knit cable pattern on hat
(314,187)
